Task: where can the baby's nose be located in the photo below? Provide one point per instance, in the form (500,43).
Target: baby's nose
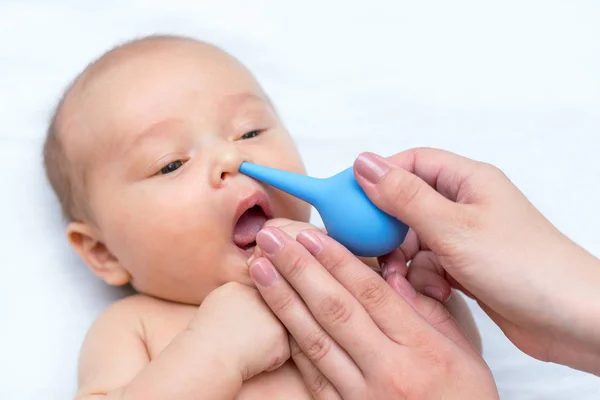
(226,163)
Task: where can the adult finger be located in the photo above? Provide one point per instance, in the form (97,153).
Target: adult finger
(333,307)
(432,311)
(393,262)
(448,173)
(410,198)
(396,261)
(320,387)
(376,297)
(327,355)
(428,277)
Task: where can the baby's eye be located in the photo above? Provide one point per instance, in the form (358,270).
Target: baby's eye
(170,167)
(250,135)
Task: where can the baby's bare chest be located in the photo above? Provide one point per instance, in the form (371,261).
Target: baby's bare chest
(162,326)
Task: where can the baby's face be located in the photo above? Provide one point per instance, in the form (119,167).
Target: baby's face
(170,129)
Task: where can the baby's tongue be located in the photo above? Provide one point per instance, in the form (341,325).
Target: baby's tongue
(248,226)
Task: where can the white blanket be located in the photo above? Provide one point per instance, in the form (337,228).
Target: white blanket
(514,83)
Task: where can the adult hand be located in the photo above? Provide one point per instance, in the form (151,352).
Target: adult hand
(354,337)
(291,227)
(472,227)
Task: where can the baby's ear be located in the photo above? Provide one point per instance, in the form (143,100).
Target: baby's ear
(96,255)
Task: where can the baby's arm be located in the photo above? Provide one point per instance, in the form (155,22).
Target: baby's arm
(114,362)
(210,358)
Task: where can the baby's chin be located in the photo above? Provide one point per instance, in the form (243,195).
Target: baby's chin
(234,269)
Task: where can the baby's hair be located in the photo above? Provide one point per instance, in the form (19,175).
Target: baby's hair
(59,170)
(56,165)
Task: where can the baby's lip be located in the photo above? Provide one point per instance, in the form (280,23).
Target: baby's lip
(256,198)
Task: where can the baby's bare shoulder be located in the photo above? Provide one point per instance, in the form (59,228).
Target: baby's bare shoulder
(125,313)
(144,315)
(125,338)
(124,321)
(135,308)
(158,321)
(113,351)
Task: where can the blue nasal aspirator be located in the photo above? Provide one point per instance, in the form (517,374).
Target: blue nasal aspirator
(348,214)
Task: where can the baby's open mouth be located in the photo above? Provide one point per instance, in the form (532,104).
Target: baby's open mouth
(248,226)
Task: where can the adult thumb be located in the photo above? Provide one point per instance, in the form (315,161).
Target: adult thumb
(405,196)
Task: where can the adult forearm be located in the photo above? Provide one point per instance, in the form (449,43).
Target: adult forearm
(577,339)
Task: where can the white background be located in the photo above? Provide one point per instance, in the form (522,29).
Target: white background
(515,83)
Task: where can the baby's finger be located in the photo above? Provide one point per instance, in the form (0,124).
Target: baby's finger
(320,387)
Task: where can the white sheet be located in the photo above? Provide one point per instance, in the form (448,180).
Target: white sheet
(515,83)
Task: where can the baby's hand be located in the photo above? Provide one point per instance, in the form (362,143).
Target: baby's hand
(235,318)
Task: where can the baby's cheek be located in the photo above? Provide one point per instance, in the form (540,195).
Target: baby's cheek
(140,225)
(288,160)
(169,250)
(281,152)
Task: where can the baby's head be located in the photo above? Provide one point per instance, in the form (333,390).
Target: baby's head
(143,153)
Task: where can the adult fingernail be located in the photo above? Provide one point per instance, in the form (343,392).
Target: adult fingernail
(383,270)
(403,287)
(371,167)
(434,292)
(263,273)
(387,270)
(253,256)
(269,241)
(311,241)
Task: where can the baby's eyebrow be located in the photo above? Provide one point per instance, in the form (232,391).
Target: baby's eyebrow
(163,128)
(232,102)
(229,104)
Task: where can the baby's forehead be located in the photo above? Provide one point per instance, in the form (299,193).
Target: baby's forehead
(129,85)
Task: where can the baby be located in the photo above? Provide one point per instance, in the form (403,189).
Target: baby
(143,153)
